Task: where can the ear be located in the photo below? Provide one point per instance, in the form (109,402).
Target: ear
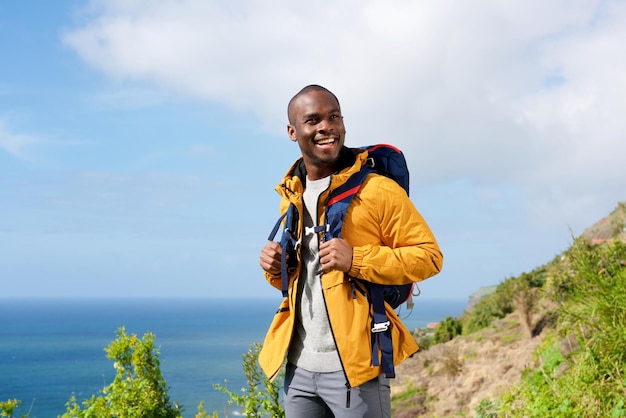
(291,131)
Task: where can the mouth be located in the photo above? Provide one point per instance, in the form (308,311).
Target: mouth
(325,141)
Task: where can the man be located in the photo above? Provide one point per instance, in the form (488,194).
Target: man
(324,325)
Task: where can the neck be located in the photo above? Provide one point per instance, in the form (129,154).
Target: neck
(307,170)
(318,175)
(316,172)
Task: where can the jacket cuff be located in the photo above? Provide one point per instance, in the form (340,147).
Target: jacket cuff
(357,262)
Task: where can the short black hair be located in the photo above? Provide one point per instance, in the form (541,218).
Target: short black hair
(310,87)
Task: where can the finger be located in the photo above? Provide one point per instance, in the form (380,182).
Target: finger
(272,245)
(270,265)
(270,259)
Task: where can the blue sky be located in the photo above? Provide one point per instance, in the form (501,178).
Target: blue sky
(140,141)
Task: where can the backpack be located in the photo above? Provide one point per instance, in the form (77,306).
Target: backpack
(382,159)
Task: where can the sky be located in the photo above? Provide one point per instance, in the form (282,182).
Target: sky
(141,140)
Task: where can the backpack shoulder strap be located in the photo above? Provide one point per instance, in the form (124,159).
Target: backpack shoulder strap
(289,244)
(339,201)
(381,331)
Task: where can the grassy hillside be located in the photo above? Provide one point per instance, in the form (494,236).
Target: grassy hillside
(548,343)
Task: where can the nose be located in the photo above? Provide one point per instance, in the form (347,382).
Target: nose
(324,125)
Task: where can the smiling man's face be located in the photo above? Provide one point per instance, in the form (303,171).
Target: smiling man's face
(317,125)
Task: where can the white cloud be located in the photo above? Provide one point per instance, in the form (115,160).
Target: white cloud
(15,144)
(529,93)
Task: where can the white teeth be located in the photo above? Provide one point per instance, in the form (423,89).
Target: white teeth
(326,141)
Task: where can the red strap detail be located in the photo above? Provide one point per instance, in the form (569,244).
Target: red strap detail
(343,195)
(385,146)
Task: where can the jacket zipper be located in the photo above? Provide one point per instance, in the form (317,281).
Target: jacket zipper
(330,324)
(343,369)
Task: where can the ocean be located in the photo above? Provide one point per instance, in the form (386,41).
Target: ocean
(53,348)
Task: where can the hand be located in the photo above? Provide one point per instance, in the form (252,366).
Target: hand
(336,254)
(270,257)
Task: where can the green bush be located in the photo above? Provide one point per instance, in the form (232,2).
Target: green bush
(138,389)
(494,306)
(502,301)
(256,402)
(447,330)
(486,409)
(8,408)
(425,341)
(591,380)
(536,278)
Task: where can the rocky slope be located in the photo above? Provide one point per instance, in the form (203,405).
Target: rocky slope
(451,379)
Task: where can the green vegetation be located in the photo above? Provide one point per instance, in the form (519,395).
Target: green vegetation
(582,360)
(8,409)
(583,367)
(577,304)
(408,394)
(138,389)
(254,401)
(513,293)
(413,401)
(447,330)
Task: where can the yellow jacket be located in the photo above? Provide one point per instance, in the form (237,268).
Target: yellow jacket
(392,244)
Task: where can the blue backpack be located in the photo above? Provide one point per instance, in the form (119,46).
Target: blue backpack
(385,160)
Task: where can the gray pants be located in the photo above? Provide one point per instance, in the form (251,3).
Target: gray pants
(325,395)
